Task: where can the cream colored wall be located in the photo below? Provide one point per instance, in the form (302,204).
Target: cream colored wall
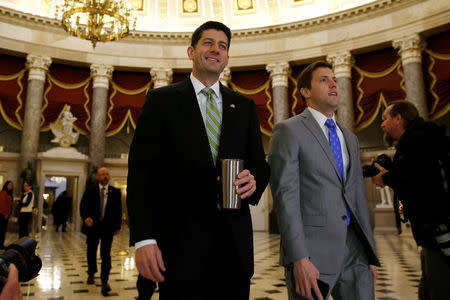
(377,23)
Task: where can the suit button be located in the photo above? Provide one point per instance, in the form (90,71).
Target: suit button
(344,217)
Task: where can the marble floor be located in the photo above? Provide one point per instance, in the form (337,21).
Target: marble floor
(63,275)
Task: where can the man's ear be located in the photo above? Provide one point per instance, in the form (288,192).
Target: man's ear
(190,52)
(305,93)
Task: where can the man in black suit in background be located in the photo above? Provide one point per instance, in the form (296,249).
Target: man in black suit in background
(101,211)
(184,240)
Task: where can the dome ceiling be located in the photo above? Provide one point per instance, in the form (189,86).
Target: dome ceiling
(186,15)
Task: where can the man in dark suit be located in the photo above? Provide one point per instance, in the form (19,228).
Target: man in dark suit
(319,196)
(101,211)
(184,240)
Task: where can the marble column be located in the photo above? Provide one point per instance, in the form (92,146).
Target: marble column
(225,76)
(279,74)
(342,64)
(101,75)
(410,49)
(161,76)
(37,68)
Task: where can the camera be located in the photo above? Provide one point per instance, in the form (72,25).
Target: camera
(383,160)
(21,253)
(442,236)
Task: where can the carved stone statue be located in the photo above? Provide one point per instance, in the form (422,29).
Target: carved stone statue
(62,129)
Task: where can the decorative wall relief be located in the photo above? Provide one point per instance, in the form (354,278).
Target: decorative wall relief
(190,7)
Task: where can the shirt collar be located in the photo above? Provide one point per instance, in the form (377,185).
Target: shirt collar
(100,187)
(198,86)
(320,117)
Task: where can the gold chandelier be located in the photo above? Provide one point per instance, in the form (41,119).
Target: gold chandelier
(96,20)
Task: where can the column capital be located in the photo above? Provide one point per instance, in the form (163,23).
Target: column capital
(101,74)
(161,76)
(342,63)
(225,76)
(37,66)
(279,73)
(410,48)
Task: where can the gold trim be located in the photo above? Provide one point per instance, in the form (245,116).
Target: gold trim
(402,75)
(88,113)
(45,102)
(264,87)
(128,115)
(381,100)
(19,75)
(249,92)
(111,107)
(439,56)
(294,105)
(68,86)
(364,74)
(270,119)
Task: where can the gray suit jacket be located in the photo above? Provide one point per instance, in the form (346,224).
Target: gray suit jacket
(309,197)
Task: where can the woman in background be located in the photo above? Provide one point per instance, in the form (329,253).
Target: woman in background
(6,200)
(26,208)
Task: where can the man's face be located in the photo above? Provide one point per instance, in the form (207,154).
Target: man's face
(392,126)
(324,92)
(210,55)
(103,176)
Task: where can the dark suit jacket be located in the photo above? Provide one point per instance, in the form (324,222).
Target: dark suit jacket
(173,192)
(90,208)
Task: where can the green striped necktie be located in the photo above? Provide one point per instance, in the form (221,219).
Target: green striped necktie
(213,122)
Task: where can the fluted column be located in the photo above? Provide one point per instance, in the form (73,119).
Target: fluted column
(161,76)
(101,75)
(410,49)
(279,74)
(225,76)
(342,64)
(37,68)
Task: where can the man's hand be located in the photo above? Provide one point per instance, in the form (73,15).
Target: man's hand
(374,273)
(246,183)
(149,262)
(306,275)
(378,179)
(89,222)
(11,290)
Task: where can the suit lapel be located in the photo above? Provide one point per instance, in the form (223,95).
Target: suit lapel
(191,115)
(311,123)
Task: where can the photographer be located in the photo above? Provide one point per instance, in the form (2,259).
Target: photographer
(420,178)
(11,290)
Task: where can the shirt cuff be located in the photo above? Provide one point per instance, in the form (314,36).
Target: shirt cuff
(144,243)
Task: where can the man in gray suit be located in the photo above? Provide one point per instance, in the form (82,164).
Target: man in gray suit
(319,196)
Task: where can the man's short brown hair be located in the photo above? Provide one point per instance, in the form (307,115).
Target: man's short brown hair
(304,80)
(406,110)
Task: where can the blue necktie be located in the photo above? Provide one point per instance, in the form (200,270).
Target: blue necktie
(335,145)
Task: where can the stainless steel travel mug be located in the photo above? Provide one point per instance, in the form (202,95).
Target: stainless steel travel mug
(230,168)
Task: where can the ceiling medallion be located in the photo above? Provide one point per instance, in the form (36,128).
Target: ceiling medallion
(190,6)
(96,20)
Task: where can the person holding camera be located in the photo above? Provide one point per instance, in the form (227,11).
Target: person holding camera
(419,176)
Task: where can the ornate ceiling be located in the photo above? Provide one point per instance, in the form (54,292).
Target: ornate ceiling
(186,15)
